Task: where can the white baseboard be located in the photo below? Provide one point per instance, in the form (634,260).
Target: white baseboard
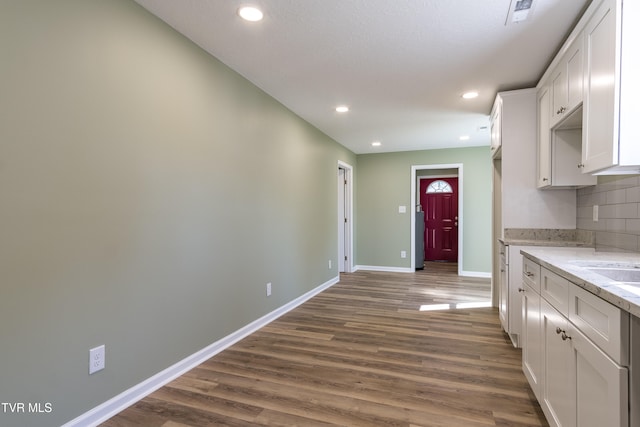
(113,406)
(409,270)
(475,274)
(383,268)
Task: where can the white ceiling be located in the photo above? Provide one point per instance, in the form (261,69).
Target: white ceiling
(400,65)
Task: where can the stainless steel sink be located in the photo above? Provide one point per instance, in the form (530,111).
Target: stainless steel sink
(619,274)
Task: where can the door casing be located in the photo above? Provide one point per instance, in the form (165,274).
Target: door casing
(414,202)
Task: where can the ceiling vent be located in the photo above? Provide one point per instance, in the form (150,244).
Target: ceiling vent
(519,11)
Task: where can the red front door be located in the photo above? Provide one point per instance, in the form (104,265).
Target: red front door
(439,200)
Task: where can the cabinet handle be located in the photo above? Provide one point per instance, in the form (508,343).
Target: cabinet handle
(529,274)
(564,334)
(502,270)
(520,290)
(580,165)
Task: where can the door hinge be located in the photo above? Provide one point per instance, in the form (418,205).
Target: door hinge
(345,220)
(345,182)
(345,257)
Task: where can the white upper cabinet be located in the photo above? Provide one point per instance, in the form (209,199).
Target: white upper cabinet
(611,135)
(559,149)
(560,123)
(566,83)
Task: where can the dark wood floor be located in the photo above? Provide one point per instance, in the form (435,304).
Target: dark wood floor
(376,349)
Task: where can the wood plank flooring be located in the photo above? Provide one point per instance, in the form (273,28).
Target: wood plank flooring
(361,353)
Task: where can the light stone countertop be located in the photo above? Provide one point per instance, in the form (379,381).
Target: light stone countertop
(558,243)
(573,263)
(548,237)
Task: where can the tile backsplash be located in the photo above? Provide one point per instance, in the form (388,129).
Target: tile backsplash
(618,201)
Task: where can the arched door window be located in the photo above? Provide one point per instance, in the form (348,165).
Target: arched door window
(439,186)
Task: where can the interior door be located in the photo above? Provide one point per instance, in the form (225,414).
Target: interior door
(439,200)
(344,220)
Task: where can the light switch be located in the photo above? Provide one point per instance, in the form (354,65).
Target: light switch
(402,209)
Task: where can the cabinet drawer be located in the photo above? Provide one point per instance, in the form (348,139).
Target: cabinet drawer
(555,290)
(531,274)
(603,323)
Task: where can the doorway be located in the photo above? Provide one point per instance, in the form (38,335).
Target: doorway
(439,202)
(345,215)
(433,173)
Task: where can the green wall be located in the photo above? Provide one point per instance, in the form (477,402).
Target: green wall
(384,183)
(148,195)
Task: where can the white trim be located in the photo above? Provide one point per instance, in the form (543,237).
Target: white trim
(383,268)
(414,169)
(115,405)
(349,177)
(437,175)
(482,274)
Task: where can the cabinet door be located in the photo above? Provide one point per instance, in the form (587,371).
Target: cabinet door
(575,74)
(504,295)
(600,385)
(558,393)
(601,91)
(514,306)
(496,126)
(559,94)
(544,138)
(567,83)
(532,340)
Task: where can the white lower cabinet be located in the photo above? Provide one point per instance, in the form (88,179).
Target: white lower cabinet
(577,383)
(601,385)
(558,392)
(531,339)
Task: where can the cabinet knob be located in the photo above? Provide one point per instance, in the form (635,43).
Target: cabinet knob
(545,179)
(561,110)
(580,165)
(565,336)
(520,290)
(558,331)
(529,274)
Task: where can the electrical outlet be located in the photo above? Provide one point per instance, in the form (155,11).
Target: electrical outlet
(96,359)
(269,289)
(329,264)
(403,254)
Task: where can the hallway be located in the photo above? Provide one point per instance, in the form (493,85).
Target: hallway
(376,349)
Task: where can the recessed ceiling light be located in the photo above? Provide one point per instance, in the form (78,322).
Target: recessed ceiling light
(376,144)
(342,109)
(250,13)
(464,137)
(470,95)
